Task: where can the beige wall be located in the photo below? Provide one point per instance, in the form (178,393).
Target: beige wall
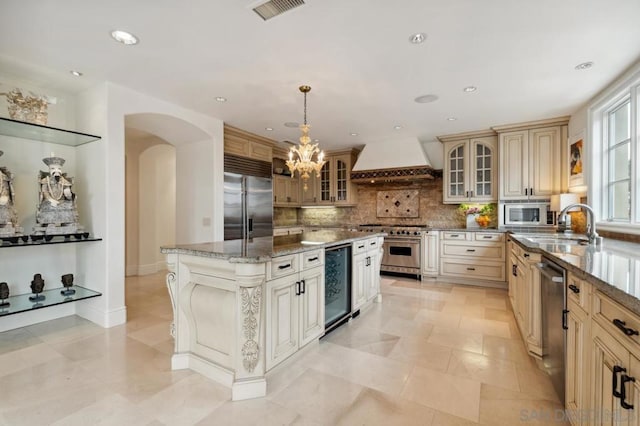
(150,201)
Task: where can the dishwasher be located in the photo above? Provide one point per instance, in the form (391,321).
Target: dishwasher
(554,321)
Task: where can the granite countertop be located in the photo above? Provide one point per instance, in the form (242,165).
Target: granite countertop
(263,249)
(467,229)
(613,268)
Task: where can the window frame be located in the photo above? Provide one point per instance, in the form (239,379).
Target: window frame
(626,88)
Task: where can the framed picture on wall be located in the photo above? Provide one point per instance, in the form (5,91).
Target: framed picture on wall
(576,160)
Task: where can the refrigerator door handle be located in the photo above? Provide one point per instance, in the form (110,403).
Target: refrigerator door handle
(250,226)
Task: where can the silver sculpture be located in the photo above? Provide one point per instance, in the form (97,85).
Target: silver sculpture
(8,216)
(57,210)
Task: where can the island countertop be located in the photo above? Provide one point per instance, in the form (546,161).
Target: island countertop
(613,268)
(263,249)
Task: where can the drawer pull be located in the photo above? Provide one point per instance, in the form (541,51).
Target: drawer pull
(471,269)
(626,330)
(454,235)
(565,326)
(362,246)
(616,369)
(312,259)
(574,289)
(526,255)
(471,250)
(623,391)
(288,265)
(487,236)
(373,243)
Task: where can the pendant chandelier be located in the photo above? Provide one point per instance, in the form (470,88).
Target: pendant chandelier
(303,153)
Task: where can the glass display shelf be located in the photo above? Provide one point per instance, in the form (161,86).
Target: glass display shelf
(38,132)
(25,241)
(21,302)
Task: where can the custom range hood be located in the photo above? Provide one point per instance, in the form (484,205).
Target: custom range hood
(392,160)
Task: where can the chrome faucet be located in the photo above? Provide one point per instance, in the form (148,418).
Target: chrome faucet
(593,236)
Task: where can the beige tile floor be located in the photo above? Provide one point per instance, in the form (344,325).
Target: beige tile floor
(427,355)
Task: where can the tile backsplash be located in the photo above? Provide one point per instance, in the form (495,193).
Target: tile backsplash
(430,210)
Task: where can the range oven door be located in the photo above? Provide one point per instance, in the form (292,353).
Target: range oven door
(401,253)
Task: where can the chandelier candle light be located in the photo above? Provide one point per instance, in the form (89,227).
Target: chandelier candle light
(304,163)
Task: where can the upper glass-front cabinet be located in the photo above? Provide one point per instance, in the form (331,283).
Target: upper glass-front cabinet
(37,132)
(470,173)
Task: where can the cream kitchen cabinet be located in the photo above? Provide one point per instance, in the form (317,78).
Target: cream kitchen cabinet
(578,354)
(525,296)
(530,163)
(310,196)
(286,191)
(245,144)
(335,186)
(472,255)
(295,305)
(470,168)
(430,254)
(365,271)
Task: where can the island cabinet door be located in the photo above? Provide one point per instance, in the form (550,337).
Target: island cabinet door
(282,319)
(311,305)
(610,363)
(359,281)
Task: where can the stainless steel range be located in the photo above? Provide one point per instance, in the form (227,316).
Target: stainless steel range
(401,248)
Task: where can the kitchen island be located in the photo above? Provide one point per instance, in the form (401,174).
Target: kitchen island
(241,307)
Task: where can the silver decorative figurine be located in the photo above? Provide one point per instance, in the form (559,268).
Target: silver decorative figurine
(8,216)
(57,212)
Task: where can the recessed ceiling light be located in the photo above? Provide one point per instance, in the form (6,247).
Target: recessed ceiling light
(124,37)
(584,66)
(451,119)
(269,129)
(397,127)
(76,73)
(291,124)
(425,99)
(470,89)
(354,134)
(221,99)
(417,38)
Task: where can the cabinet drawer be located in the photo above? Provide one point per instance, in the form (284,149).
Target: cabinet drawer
(311,259)
(581,296)
(448,235)
(372,244)
(605,311)
(474,251)
(360,246)
(279,232)
(486,236)
(487,270)
(283,265)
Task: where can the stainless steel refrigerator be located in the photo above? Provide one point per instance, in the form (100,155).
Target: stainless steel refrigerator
(248,206)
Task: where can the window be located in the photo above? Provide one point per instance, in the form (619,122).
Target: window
(614,190)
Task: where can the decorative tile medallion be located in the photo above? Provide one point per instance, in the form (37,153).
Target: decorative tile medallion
(398,203)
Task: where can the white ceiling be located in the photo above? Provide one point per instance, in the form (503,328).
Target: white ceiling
(355,54)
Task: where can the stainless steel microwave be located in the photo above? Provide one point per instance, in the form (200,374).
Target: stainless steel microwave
(534,214)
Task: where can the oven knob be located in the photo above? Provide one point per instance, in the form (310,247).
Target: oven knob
(416,233)
(405,232)
(390,232)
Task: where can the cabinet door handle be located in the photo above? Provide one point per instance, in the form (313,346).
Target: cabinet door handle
(564,319)
(574,289)
(281,267)
(526,255)
(471,192)
(626,330)
(623,391)
(514,270)
(530,191)
(312,259)
(471,250)
(526,191)
(304,287)
(297,288)
(616,369)
(471,269)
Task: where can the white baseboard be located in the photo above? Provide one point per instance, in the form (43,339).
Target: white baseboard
(150,268)
(101,317)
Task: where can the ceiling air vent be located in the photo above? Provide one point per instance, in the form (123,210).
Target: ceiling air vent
(274,8)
